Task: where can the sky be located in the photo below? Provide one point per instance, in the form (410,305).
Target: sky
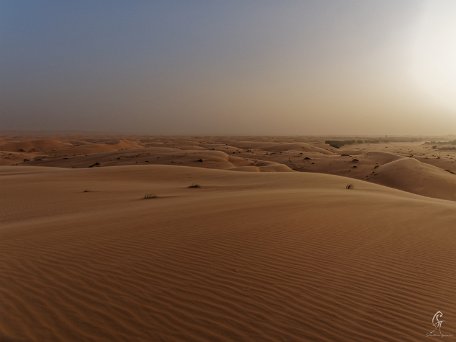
(229,67)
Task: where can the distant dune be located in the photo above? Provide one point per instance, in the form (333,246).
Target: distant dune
(366,159)
(32,145)
(414,176)
(282,146)
(245,257)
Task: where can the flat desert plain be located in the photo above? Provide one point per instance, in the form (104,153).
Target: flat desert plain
(226,238)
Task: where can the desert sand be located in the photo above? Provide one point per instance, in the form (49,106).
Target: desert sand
(421,165)
(243,255)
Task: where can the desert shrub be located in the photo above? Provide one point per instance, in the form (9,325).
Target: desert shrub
(336,143)
(340,143)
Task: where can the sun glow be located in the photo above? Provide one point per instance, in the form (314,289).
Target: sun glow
(433,63)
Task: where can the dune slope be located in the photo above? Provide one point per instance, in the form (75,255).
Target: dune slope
(246,257)
(411,175)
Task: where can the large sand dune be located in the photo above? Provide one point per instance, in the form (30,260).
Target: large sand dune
(246,257)
(414,176)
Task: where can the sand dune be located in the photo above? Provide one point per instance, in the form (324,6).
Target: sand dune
(411,175)
(281,146)
(382,157)
(252,154)
(32,145)
(246,257)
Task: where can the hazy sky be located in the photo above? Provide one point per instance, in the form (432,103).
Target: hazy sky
(229,67)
